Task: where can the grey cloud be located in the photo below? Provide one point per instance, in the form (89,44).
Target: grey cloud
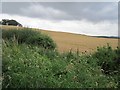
(40,11)
(92,11)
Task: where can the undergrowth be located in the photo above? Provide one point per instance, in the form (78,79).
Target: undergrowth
(32,66)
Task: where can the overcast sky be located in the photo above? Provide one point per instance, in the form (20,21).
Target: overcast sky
(90,18)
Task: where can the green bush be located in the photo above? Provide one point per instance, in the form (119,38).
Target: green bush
(24,68)
(108,59)
(29,36)
(30,67)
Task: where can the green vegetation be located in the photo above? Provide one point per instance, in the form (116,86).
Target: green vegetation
(108,59)
(31,64)
(10,22)
(29,36)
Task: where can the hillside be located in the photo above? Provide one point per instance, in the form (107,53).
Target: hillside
(30,60)
(83,43)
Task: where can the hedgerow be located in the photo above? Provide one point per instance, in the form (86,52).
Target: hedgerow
(29,36)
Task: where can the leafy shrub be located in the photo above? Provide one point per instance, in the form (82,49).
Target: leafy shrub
(108,59)
(29,36)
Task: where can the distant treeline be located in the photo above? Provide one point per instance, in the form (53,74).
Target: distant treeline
(10,22)
(108,37)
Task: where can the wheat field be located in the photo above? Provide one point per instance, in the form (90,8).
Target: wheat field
(68,41)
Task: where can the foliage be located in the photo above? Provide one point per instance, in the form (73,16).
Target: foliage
(10,22)
(30,37)
(108,59)
(25,67)
(29,62)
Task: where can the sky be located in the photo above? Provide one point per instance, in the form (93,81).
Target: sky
(89,18)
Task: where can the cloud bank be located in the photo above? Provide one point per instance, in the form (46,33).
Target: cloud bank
(95,19)
(92,11)
(103,28)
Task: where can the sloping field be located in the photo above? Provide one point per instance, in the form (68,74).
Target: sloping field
(69,41)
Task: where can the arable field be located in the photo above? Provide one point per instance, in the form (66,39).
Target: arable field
(74,42)
(67,41)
